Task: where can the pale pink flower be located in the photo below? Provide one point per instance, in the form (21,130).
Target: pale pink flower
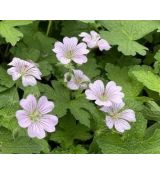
(117,118)
(27,70)
(35,117)
(76,80)
(94,40)
(70,50)
(104,95)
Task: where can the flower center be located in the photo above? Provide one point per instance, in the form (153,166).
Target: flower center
(115,115)
(78,80)
(103,97)
(34,116)
(23,70)
(69,54)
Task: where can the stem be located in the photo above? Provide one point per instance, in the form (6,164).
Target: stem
(49,27)
(6,51)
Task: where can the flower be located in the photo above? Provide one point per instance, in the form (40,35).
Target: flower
(119,119)
(27,70)
(77,80)
(35,116)
(104,96)
(70,50)
(94,40)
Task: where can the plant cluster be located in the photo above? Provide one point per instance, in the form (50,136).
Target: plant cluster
(79,87)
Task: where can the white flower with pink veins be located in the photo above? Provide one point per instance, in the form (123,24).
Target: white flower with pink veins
(70,50)
(118,118)
(104,95)
(25,69)
(76,80)
(94,40)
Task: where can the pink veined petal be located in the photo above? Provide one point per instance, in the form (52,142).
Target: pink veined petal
(128,115)
(14,61)
(103,103)
(48,122)
(35,72)
(103,45)
(90,95)
(81,49)
(23,119)
(117,98)
(83,34)
(97,88)
(28,81)
(121,125)
(29,104)
(58,47)
(92,44)
(72,85)
(78,73)
(71,42)
(44,106)
(63,60)
(36,130)
(109,122)
(114,108)
(80,59)
(114,92)
(15,75)
(94,35)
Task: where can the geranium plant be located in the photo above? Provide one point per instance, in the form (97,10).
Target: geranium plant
(80,87)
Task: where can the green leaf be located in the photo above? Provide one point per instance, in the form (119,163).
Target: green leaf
(78,110)
(126,33)
(67,134)
(130,87)
(90,68)
(61,97)
(5,79)
(77,28)
(152,111)
(78,149)
(59,94)
(147,78)
(23,145)
(9,32)
(112,143)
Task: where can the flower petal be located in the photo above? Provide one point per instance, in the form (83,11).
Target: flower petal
(62,59)
(114,92)
(113,108)
(49,122)
(121,125)
(97,87)
(109,122)
(23,119)
(90,95)
(44,106)
(70,42)
(128,115)
(80,59)
(72,85)
(103,45)
(103,103)
(29,104)
(81,49)
(58,47)
(36,130)
(28,81)
(15,75)
(15,61)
